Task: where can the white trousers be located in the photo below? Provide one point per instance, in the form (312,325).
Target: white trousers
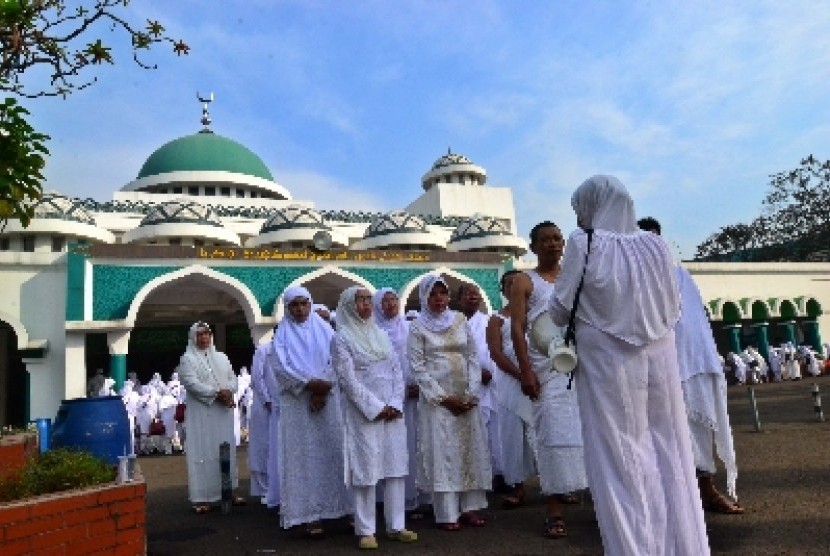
(448,506)
(393,506)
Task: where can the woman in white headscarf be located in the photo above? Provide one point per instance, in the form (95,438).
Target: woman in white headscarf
(387,314)
(638,453)
(454,463)
(210,382)
(373,391)
(310,447)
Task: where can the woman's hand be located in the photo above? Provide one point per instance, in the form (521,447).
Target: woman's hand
(318,387)
(318,402)
(457,406)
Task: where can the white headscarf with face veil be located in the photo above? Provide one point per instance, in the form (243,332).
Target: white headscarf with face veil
(630,289)
(363,334)
(434,322)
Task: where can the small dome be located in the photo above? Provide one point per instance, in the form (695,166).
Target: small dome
(454,168)
(451,159)
(204,151)
(182,211)
(478,226)
(55,205)
(485,233)
(293,216)
(395,222)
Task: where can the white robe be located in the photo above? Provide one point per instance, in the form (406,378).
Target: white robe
(258,423)
(454,455)
(513,417)
(703,383)
(638,452)
(310,449)
(486,404)
(374,450)
(209,424)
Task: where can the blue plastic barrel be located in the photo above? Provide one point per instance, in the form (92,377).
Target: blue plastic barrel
(44,434)
(96,425)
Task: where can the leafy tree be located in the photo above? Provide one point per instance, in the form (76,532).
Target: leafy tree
(794,224)
(64,42)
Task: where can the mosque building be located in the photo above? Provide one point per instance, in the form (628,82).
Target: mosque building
(206,233)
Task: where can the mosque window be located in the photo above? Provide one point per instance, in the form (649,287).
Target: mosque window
(5,244)
(57,243)
(225,191)
(29,243)
(254,194)
(175,241)
(240,192)
(177,190)
(210,191)
(192,190)
(198,243)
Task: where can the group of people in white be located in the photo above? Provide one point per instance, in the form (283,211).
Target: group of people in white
(787,362)
(426,412)
(155,410)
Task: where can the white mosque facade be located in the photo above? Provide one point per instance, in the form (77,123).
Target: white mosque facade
(205,232)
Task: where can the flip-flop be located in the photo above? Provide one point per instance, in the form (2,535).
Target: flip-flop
(449,526)
(568,498)
(201,508)
(314,530)
(510,502)
(239,501)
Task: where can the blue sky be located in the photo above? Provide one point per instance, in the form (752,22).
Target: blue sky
(691,104)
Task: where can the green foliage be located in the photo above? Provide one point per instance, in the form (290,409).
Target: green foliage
(794,224)
(54,471)
(66,40)
(22,158)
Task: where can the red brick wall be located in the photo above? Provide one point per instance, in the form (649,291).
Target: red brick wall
(108,519)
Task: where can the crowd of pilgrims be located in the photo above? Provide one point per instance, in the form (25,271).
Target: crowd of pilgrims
(787,362)
(427,411)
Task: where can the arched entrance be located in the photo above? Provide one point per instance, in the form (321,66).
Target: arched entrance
(159,336)
(14,379)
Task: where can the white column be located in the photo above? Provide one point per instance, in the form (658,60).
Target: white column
(75,369)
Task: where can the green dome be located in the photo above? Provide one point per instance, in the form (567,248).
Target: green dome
(204,152)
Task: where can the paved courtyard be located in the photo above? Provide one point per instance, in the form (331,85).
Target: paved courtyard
(784,482)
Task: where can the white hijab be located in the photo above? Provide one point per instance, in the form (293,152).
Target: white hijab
(434,322)
(630,289)
(307,345)
(364,334)
(396,327)
(207,359)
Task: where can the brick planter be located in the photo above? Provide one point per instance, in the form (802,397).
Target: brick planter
(107,519)
(15,449)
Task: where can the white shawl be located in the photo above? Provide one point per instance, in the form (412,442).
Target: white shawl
(364,335)
(303,348)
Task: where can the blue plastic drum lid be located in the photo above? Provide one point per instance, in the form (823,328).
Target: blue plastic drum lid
(96,425)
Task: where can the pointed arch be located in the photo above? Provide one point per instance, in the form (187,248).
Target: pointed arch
(228,284)
(412,285)
(279,310)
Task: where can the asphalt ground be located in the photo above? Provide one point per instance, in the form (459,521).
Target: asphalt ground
(783,482)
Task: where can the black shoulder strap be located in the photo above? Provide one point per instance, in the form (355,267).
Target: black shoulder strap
(570,333)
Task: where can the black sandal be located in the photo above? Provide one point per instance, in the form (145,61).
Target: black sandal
(555,527)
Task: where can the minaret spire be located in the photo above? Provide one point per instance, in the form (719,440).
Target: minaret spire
(206,121)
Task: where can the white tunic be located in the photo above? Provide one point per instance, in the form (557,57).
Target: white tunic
(556,419)
(259,419)
(454,455)
(310,450)
(209,424)
(374,450)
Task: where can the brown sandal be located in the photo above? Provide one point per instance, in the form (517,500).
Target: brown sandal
(555,527)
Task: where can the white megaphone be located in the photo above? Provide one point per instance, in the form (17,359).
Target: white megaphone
(549,339)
